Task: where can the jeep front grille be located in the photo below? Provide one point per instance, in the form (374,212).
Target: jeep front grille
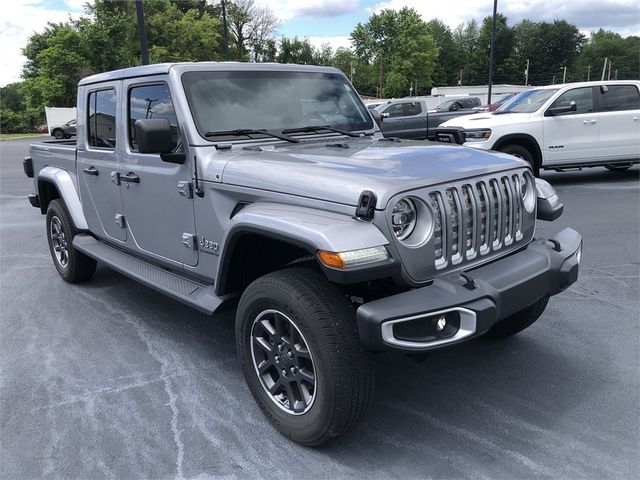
(476,218)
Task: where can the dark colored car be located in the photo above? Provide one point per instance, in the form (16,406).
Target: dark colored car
(66,130)
(411,118)
(492,107)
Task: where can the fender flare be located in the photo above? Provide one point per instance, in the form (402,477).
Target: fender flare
(304,227)
(63,183)
(511,137)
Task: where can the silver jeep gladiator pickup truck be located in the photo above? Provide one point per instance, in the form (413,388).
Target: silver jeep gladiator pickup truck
(272,185)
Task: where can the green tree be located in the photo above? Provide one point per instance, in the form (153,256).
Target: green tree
(400,45)
(448,62)
(623,53)
(296,50)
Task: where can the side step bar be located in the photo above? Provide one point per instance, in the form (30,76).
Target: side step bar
(199,296)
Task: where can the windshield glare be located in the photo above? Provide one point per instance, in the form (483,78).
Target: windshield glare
(528,101)
(273,101)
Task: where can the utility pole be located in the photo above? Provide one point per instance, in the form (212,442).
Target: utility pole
(615,75)
(142,33)
(225,35)
(492,47)
(553,82)
(604,68)
(352,71)
(589,73)
(460,79)
(609,75)
(526,74)
(564,75)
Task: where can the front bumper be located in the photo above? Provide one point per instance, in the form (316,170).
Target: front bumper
(479,297)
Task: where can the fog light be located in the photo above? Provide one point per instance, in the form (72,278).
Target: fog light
(441,324)
(445,325)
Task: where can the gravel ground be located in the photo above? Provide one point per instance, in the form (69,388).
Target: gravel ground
(112,380)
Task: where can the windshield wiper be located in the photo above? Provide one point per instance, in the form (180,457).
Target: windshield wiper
(315,128)
(248,132)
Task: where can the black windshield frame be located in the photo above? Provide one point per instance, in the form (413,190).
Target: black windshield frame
(356,119)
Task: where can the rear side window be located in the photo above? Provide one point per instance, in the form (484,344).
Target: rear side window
(151,101)
(101,124)
(620,97)
(582,96)
(412,109)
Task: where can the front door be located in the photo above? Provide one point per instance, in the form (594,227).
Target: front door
(98,163)
(160,219)
(572,137)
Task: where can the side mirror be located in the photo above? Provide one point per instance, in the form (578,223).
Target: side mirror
(153,135)
(571,107)
(376,116)
(548,203)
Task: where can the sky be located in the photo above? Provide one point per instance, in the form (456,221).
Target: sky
(331,21)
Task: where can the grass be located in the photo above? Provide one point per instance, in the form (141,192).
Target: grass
(14,136)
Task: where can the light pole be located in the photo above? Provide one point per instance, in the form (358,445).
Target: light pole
(526,74)
(564,74)
(225,35)
(142,33)
(493,43)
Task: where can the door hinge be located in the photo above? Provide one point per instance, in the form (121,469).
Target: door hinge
(185,188)
(120,220)
(115,177)
(189,240)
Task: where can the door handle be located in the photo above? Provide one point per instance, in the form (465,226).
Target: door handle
(130,177)
(91,171)
(590,122)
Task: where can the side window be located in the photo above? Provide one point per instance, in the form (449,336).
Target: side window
(413,108)
(396,110)
(582,96)
(101,124)
(151,101)
(620,97)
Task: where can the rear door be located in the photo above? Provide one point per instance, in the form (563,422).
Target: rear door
(572,137)
(158,214)
(99,161)
(619,122)
(404,119)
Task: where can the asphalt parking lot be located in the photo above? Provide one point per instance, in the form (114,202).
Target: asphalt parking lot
(110,379)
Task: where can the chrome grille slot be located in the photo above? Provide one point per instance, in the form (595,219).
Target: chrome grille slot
(472,220)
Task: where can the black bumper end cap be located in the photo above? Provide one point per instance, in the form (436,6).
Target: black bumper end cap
(547,211)
(27,165)
(34,200)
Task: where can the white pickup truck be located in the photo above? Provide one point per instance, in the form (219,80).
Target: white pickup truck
(558,127)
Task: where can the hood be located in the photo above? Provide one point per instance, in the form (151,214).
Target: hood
(485,120)
(325,171)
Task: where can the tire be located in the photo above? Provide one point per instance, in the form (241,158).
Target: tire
(59,134)
(523,153)
(618,168)
(302,303)
(72,265)
(519,320)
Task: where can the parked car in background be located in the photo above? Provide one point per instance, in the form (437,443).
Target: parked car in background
(559,127)
(455,104)
(492,107)
(66,130)
(271,184)
(411,118)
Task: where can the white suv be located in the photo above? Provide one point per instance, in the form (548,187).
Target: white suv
(559,126)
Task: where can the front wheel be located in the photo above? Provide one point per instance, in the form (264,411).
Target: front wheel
(58,134)
(523,153)
(301,357)
(518,321)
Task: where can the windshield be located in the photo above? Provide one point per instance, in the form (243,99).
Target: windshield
(272,101)
(527,102)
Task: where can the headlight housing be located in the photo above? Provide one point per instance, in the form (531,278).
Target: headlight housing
(528,192)
(411,221)
(479,135)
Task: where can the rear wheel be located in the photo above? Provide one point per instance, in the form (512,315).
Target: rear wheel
(519,320)
(59,134)
(618,168)
(72,265)
(523,153)
(301,356)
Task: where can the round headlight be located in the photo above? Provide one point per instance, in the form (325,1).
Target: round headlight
(403,218)
(528,192)
(412,221)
